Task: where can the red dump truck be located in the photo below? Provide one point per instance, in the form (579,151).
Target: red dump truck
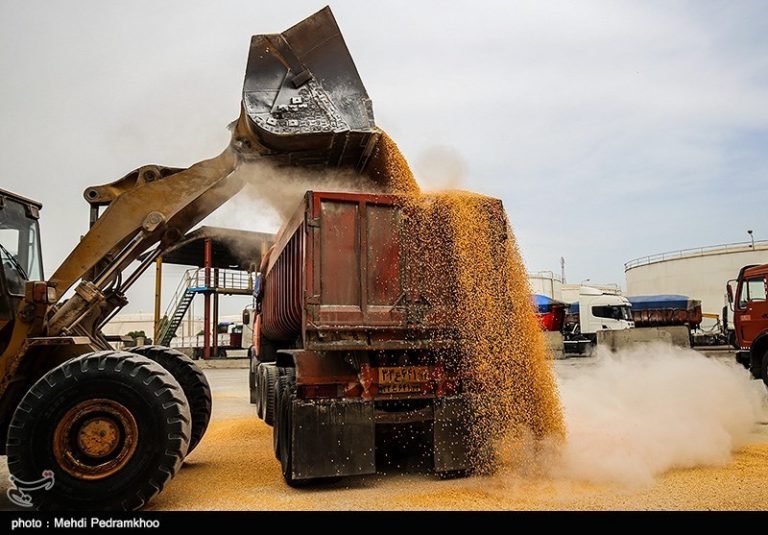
(345,340)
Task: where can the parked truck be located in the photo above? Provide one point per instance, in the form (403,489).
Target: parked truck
(665,310)
(345,342)
(747,294)
(596,309)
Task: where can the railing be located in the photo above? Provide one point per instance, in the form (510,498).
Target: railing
(194,278)
(232,279)
(696,251)
(223,340)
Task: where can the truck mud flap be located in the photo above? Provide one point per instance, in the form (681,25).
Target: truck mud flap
(450,434)
(333,438)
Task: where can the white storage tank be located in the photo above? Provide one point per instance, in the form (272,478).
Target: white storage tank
(699,273)
(546,283)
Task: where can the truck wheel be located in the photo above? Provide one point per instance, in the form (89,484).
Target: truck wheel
(112,427)
(252,367)
(285,376)
(192,381)
(260,390)
(270,383)
(764,367)
(284,432)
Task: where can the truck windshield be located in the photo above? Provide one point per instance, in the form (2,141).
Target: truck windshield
(613,312)
(19,246)
(752,290)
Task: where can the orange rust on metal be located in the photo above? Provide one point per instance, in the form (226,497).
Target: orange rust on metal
(95,439)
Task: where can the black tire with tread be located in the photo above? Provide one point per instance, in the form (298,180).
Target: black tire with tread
(252,366)
(764,368)
(152,395)
(260,391)
(192,381)
(284,377)
(270,384)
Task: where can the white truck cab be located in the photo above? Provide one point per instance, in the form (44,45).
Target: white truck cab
(592,310)
(600,311)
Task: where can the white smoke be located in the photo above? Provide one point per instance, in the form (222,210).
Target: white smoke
(642,411)
(441,167)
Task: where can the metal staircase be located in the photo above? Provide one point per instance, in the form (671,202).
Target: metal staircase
(192,283)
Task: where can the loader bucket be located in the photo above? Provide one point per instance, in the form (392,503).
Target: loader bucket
(303,100)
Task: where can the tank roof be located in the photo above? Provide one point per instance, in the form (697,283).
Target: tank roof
(711,250)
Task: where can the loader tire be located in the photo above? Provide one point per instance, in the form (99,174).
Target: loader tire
(111,427)
(270,383)
(192,381)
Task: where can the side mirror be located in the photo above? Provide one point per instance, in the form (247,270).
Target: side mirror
(246,317)
(258,286)
(729,290)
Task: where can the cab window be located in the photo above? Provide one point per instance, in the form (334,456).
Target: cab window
(753,290)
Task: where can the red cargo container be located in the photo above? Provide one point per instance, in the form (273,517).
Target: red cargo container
(351,334)
(339,277)
(554,319)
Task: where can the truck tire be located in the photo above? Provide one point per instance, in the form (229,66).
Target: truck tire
(192,381)
(764,367)
(284,430)
(252,365)
(260,391)
(270,383)
(285,377)
(61,424)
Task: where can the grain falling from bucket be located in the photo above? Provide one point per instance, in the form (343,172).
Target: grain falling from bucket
(465,248)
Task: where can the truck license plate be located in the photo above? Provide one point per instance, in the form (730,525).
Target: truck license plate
(397,376)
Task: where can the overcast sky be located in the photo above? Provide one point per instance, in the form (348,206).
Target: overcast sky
(610,130)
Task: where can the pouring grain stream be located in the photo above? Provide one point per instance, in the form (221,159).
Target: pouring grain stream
(466,246)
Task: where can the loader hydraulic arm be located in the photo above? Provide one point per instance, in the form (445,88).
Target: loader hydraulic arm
(152,205)
(303,104)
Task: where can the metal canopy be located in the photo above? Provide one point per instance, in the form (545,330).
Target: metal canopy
(233,249)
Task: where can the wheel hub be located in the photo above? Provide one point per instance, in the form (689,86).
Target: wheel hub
(95,439)
(98,437)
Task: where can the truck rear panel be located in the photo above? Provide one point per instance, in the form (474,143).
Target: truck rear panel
(341,276)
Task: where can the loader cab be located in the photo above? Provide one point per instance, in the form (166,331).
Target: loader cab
(20,252)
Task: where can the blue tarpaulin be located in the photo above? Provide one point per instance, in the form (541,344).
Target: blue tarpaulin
(659,302)
(544,303)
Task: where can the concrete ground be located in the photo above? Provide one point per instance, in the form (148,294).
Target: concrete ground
(234,469)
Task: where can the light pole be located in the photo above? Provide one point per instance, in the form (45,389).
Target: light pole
(752,238)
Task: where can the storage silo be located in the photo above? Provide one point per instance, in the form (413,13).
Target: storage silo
(700,273)
(546,283)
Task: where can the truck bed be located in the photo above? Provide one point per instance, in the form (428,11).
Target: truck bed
(339,277)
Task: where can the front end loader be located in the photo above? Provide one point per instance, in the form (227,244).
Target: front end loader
(108,429)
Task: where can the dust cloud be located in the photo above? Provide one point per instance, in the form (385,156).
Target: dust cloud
(282,188)
(272,193)
(441,167)
(640,412)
